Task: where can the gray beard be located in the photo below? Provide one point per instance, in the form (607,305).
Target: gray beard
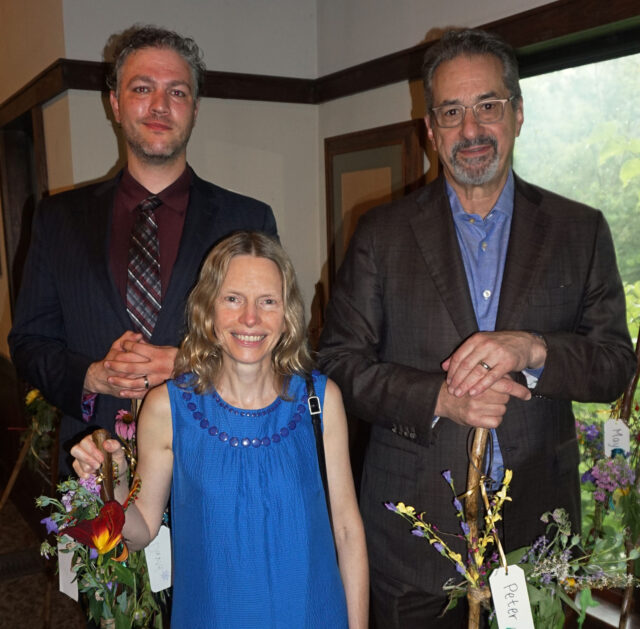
(475,172)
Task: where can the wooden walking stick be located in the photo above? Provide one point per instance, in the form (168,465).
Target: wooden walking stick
(472,512)
(625,414)
(106,469)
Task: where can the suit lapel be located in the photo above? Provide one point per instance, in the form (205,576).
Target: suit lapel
(96,219)
(194,244)
(437,241)
(529,227)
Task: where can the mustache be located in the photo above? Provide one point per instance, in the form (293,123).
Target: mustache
(481,140)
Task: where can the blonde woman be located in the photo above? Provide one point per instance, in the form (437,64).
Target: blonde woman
(230,441)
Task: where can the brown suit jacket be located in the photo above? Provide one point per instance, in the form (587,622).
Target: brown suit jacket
(401,305)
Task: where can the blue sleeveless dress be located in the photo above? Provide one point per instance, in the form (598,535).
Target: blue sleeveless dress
(252,543)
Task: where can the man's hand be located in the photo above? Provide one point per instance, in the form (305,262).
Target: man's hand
(484,410)
(130,368)
(486,357)
(157,366)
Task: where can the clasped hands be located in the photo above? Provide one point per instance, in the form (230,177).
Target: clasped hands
(131,367)
(478,385)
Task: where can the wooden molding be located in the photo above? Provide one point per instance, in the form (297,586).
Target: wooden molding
(549,37)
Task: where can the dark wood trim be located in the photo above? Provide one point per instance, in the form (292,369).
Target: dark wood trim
(549,37)
(259,87)
(41,172)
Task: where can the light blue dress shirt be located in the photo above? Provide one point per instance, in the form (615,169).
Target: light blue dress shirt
(483,245)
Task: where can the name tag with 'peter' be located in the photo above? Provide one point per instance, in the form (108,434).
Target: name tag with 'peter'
(510,598)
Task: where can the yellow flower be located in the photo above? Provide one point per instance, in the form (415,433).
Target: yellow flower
(33,395)
(402,508)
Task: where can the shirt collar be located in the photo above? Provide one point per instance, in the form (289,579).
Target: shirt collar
(504,204)
(175,196)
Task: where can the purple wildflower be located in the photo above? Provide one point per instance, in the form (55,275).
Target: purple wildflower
(93,553)
(438,546)
(391,506)
(417,532)
(460,569)
(52,527)
(599,495)
(465,528)
(592,432)
(447,476)
(90,484)
(66,500)
(457,504)
(588,477)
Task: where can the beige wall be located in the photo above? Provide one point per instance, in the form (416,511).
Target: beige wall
(31,38)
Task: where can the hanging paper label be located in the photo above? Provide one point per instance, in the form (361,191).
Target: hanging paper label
(66,576)
(510,598)
(616,438)
(158,556)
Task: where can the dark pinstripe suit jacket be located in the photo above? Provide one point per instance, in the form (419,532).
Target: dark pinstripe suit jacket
(401,305)
(69,310)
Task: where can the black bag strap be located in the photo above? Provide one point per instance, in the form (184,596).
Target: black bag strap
(315,410)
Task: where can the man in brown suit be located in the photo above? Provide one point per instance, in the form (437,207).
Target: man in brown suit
(479,300)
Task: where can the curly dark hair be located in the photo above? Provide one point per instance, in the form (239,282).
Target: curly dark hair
(147,36)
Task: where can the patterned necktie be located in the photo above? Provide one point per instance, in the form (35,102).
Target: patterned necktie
(144,293)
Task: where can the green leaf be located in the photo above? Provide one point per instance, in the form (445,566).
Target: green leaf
(123,574)
(586,601)
(567,600)
(515,556)
(123,601)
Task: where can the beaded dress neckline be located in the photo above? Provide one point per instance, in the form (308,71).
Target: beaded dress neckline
(223,413)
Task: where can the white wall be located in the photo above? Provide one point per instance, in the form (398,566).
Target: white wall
(255,36)
(268,151)
(355,31)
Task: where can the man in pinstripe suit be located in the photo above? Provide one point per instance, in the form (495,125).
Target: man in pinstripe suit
(72,336)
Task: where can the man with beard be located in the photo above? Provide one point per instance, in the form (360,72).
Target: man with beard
(477,301)
(110,266)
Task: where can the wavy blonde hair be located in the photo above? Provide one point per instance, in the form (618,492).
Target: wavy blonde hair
(200,354)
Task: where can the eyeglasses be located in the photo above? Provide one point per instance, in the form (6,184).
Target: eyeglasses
(485,112)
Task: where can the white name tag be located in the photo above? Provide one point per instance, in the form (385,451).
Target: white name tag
(158,556)
(616,437)
(510,598)
(66,577)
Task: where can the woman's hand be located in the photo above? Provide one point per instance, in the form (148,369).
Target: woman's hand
(88,458)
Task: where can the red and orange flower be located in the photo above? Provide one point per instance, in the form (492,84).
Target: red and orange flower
(104,532)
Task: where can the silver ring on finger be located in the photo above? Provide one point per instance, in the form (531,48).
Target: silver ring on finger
(484,365)
(146,382)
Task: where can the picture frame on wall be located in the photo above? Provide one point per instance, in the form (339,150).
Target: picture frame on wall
(367,168)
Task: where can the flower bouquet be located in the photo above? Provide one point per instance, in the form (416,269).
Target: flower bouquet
(87,523)
(558,567)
